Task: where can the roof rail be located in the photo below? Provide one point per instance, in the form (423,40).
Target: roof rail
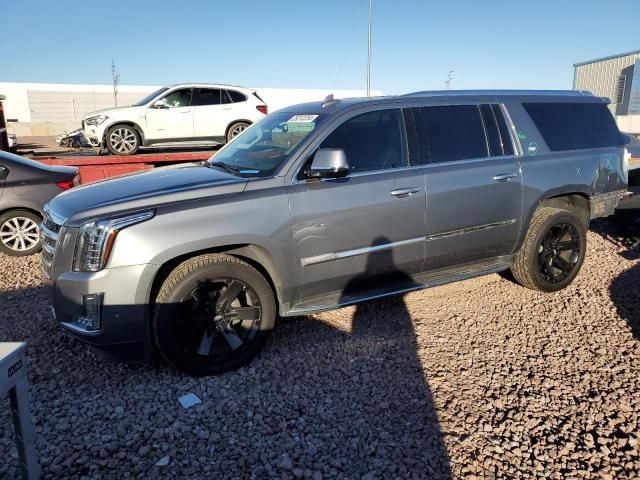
(454,93)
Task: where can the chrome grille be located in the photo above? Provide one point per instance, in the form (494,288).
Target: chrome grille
(49,232)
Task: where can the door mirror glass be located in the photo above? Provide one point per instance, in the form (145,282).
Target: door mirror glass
(329,163)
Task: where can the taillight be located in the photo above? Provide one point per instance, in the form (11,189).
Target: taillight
(262,109)
(65,184)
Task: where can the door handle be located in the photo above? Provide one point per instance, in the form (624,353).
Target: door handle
(404,192)
(503,177)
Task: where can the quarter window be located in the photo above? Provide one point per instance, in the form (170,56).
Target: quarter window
(575,126)
(235,96)
(450,133)
(372,141)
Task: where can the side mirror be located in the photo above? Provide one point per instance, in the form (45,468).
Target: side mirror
(329,163)
(159,106)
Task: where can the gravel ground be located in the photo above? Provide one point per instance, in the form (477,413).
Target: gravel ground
(479,379)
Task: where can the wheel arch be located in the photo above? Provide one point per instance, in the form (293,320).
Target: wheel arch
(231,124)
(26,208)
(573,201)
(128,123)
(255,255)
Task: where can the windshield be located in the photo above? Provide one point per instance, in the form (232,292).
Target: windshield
(150,97)
(264,146)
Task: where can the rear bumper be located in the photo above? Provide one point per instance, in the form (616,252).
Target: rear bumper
(124,320)
(605,204)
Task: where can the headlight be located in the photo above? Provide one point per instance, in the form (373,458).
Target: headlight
(95,120)
(96,239)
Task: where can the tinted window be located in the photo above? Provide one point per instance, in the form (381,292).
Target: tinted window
(208,96)
(505,137)
(491,129)
(575,126)
(178,98)
(371,141)
(236,96)
(451,133)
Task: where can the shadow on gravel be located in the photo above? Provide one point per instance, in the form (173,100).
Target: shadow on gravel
(624,231)
(404,414)
(625,293)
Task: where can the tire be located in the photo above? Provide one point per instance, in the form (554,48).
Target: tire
(122,140)
(236,129)
(553,250)
(198,323)
(20,233)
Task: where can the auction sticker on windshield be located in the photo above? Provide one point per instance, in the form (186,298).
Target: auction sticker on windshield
(302,118)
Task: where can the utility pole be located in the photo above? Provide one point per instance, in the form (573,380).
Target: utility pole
(115,76)
(449,79)
(369,54)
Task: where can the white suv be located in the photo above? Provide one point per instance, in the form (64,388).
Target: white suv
(178,115)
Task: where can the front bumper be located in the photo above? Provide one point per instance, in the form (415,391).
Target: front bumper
(93,133)
(124,325)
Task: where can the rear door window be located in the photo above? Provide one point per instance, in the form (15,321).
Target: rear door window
(207,96)
(450,133)
(505,136)
(498,137)
(491,129)
(575,126)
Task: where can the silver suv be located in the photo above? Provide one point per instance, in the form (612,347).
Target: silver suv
(327,204)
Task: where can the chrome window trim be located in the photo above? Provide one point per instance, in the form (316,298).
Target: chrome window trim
(467,161)
(515,141)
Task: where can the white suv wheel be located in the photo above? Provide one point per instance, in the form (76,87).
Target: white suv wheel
(123,140)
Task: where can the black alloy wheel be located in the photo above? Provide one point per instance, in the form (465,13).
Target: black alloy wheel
(559,252)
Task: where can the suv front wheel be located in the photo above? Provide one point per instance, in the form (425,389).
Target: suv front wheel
(122,140)
(213,314)
(553,250)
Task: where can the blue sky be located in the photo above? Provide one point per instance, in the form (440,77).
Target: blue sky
(313,44)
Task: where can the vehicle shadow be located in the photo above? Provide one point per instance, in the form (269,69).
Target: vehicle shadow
(624,231)
(403,417)
(625,294)
(343,393)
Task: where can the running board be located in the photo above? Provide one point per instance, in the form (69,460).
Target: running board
(421,281)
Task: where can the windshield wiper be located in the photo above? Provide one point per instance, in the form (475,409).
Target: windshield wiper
(225,166)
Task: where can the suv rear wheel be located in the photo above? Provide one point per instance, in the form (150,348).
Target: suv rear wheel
(122,140)
(213,314)
(20,233)
(553,250)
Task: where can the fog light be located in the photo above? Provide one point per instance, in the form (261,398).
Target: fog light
(91,319)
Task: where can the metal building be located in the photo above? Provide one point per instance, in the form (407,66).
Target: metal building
(616,77)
